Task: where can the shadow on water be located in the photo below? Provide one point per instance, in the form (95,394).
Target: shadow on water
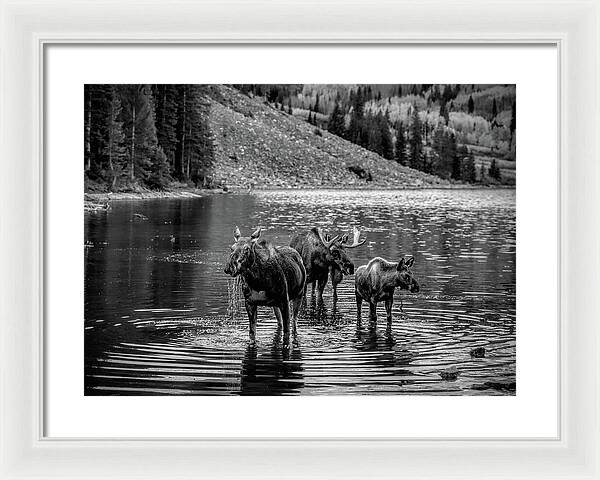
(162,318)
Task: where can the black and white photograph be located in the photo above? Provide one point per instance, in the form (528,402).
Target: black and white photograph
(300,239)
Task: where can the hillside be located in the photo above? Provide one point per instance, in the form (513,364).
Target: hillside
(163,137)
(259,146)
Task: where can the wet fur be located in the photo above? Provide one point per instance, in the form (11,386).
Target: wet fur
(274,277)
(277,271)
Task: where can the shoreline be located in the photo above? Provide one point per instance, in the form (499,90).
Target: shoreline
(198,193)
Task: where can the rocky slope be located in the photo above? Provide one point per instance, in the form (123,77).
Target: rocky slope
(259,146)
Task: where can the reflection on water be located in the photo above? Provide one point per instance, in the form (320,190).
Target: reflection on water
(161,317)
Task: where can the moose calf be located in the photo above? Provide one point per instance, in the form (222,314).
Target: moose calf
(376,282)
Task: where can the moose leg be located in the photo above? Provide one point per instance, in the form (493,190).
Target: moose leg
(373,311)
(359,301)
(334,283)
(285,314)
(251,309)
(388,310)
(277,313)
(296,305)
(322,283)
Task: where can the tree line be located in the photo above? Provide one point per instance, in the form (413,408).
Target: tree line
(146,136)
(423,136)
(418,145)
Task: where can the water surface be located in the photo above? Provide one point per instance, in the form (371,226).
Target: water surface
(161,317)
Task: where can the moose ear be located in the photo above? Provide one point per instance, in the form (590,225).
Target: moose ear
(256,234)
(409,262)
(236,233)
(345,238)
(401,264)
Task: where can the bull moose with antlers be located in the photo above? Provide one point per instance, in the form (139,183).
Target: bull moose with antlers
(271,276)
(322,255)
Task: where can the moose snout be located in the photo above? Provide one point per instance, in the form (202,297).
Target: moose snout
(230,269)
(414,287)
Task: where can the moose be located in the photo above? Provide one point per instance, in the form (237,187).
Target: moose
(271,276)
(323,256)
(376,282)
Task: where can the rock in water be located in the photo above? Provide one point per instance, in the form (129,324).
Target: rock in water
(449,374)
(508,386)
(478,352)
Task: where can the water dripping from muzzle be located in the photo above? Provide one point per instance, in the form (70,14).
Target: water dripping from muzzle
(234,298)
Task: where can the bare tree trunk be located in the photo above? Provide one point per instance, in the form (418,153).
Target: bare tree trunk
(88,126)
(183,137)
(131,160)
(189,160)
(110,142)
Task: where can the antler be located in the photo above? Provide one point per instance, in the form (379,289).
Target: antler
(326,243)
(355,241)
(236,233)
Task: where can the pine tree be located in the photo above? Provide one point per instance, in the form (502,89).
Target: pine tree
(494,171)
(453,157)
(447,94)
(415,140)
(468,170)
(444,112)
(445,162)
(115,147)
(355,133)
(181,131)
(494,109)
(96,120)
(372,134)
(316,109)
(387,144)
(513,118)
(336,124)
(198,151)
(400,147)
(427,162)
(471,105)
(139,128)
(166,106)
(158,177)
(290,111)
(87,126)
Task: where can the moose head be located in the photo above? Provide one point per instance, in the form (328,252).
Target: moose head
(336,249)
(404,277)
(242,254)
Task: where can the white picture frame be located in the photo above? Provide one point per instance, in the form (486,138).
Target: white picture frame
(27,27)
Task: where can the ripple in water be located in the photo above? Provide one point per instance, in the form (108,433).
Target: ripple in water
(161,317)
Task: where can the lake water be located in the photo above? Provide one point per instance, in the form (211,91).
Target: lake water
(161,317)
